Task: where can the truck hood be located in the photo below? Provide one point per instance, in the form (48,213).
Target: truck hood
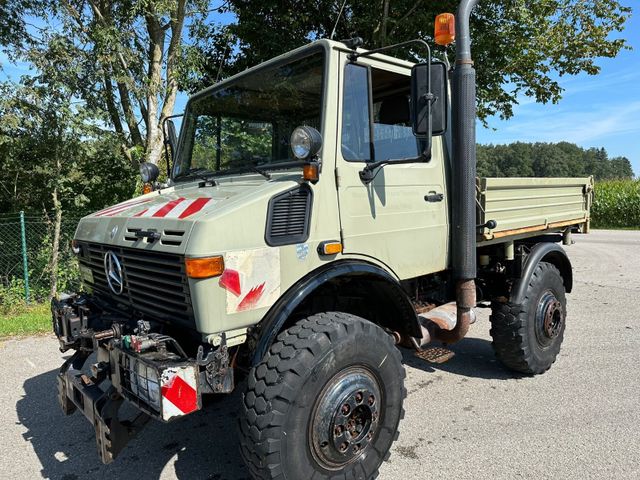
(172,212)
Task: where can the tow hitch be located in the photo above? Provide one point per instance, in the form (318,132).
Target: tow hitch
(77,390)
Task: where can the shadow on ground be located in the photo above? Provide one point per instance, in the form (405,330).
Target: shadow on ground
(474,357)
(205,444)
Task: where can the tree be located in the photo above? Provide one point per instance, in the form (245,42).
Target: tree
(51,152)
(520,46)
(550,160)
(122,57)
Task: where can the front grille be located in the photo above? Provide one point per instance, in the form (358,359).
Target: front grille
(155,283)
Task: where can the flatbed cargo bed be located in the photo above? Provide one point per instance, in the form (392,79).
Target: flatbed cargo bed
(526,207)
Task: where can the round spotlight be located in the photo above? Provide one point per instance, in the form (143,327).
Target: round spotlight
(305,142)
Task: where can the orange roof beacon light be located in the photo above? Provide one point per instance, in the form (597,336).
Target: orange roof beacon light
(445,29)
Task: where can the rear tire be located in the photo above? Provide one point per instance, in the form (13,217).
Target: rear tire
(527,337)
(325,402)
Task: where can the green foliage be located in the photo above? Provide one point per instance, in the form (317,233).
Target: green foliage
(521,47)
(12,296)
(49,142)
(549,160)
(616,204)
(122,59)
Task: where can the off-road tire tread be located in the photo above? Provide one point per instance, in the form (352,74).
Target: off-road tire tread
(272,385)
(508,329)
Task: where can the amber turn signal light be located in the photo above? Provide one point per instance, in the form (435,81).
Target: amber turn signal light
(310,172)
(147,188)
(330,248)
(445,29)
(204,267)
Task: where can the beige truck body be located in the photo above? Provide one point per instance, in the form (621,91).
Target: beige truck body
(525,207)
(387,222)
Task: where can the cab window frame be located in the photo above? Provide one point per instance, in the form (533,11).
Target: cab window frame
(371,114)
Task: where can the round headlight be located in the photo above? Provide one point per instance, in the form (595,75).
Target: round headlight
(305,142)
(149,172)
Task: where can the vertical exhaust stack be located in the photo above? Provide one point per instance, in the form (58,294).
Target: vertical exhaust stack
(464,177)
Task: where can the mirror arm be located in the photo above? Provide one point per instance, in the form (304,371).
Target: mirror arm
(354,56)
(367,173)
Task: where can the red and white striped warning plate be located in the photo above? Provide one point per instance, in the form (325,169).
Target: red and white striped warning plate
(179,392)
(177,208)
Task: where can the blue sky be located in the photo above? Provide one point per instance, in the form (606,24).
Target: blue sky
(595,111)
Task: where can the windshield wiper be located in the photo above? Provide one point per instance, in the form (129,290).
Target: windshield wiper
(201,173)
(262,172)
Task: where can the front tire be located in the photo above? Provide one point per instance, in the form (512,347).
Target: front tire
(527,337)
(325,402)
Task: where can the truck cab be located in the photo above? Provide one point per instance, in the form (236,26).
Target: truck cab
(307,231)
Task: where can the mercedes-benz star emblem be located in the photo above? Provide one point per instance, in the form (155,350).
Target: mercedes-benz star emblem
(113,270)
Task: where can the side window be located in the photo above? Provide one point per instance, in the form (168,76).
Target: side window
(392,133)
(356,127)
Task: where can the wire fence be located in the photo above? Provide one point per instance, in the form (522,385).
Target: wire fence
(26,248)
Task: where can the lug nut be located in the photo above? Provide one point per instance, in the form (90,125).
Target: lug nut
(372,400)
(343,447)
(338,430)
(359,397)
(346,409)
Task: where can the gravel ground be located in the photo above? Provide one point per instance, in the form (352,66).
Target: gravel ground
(466,419)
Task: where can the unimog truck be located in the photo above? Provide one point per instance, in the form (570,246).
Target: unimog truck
(322,212)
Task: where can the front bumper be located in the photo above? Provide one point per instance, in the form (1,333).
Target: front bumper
(149,371)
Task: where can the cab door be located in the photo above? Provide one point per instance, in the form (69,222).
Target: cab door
(400,218)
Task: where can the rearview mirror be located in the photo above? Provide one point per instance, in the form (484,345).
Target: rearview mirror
(172,137)
(429,99)
(421,99)
(170,141)
(440,105)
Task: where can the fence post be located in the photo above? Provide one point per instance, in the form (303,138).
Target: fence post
(25,265)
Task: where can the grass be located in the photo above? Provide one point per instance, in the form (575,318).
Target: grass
(27,320)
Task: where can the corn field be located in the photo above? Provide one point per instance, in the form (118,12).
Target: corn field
(616,204)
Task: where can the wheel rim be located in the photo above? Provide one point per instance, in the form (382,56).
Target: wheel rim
(346,418)
(549,318)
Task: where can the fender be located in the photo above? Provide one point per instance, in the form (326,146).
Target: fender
(543,252)
(274,320)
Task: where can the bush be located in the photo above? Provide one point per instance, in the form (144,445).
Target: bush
(12,296)
(616,204)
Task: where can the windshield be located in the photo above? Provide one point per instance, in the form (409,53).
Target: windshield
(248,123)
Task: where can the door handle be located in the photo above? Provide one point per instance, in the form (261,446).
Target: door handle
(434,197)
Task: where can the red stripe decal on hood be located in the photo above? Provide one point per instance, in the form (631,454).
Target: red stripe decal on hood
(195,207)
(168,207)
(120,208)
